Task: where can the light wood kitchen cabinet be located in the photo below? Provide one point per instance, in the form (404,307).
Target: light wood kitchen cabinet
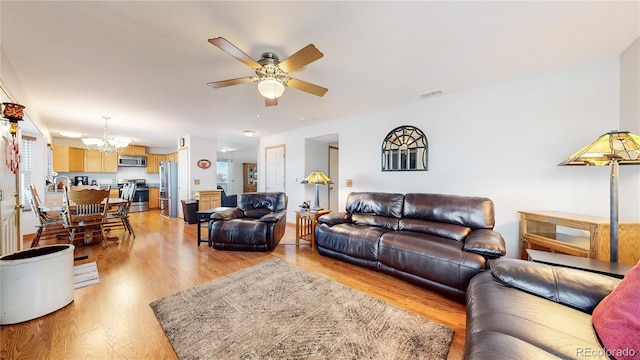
(134,150)
(96,161)
(153,162)
(172,157)
(208,199)
(249,177)
(154,198)
(68,159)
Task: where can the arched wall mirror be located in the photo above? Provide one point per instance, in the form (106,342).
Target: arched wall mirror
(405,148)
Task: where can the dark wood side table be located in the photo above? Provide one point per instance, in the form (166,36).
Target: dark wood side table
(204,216)
(306,226)
(597,266)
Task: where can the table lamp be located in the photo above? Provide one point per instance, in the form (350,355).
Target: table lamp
(318,178)
(612,149)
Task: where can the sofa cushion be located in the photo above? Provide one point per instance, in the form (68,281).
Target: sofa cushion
(617,317)
(485,242)
(449,231)
(375,220)
(575,288)
(507,323)
(380,204)
(430,257)
(360,241)
(474,212)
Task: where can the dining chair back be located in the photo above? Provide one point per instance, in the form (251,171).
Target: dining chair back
(86,210)
(121,216)
(49,227)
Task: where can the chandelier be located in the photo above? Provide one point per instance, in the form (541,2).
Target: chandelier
(108,143)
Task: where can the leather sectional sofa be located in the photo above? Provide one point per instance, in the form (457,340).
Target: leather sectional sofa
(525,310)
(436,241)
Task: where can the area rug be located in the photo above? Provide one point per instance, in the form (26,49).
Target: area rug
(274,310)
(85,275)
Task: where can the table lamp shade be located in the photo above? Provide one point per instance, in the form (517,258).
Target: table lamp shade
(317,178)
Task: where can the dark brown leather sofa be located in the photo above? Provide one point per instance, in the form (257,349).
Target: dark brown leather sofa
(257,224)
(525,310)
(435,241)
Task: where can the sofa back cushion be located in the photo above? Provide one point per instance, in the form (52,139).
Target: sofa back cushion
(375,209)
(256,205)
(472,212)
(449,231)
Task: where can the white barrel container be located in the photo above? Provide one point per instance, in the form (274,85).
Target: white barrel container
(35,282)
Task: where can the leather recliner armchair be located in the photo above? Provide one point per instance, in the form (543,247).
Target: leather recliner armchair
(257,224)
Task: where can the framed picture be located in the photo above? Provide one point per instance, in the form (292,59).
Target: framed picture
(204,163)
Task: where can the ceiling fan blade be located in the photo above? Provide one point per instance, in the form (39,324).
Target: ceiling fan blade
(306,87)
(232,50)
(270,102)
(223,83)
(303,57)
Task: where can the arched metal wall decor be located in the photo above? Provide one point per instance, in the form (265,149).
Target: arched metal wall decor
(405,148)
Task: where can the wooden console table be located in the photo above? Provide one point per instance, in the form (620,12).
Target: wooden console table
(306,226)
(578,235)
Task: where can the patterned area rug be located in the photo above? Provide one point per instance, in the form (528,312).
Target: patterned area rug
(274,310)
(85,275)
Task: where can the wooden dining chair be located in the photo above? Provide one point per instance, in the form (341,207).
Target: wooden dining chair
(120,217)
(49,227)
(86,212)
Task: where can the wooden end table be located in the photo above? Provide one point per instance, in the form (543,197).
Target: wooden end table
(306,226)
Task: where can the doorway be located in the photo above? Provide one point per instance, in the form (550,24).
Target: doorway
(333,175)
(275,168)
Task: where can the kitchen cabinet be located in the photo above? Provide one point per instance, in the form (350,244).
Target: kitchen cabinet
(96,161)
(172,157)
(153,161)
(134,150)
(154,198)
(208,199)
(249,177)
(67,159)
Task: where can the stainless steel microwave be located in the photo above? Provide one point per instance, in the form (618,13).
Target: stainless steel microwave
(135,161)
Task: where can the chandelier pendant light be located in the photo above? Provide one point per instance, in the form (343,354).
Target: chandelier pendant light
(108,143)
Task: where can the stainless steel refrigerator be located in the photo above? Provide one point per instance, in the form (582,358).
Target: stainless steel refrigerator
(169,189)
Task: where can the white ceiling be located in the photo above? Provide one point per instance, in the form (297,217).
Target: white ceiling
(146,63)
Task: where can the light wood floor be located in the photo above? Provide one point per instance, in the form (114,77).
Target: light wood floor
(113,320)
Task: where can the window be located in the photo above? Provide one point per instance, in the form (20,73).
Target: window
(405,148)
(222,175)
(26,167)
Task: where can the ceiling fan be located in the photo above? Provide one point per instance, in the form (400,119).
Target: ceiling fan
(272,75)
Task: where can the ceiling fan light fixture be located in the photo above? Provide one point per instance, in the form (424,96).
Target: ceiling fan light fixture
(270,88)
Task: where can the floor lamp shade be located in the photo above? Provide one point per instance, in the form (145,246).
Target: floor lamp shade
(611,149)
(317,178)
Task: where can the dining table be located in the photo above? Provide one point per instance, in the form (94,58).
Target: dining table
(55,206)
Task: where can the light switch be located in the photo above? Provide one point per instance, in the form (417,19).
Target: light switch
(196,181)
(349,182)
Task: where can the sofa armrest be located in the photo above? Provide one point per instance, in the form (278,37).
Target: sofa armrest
(335,218)
(486,242)
(274,217)
(228,214)
(578,289)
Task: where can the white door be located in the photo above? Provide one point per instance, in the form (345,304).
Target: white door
(9,195)
(333,175)
(275,169)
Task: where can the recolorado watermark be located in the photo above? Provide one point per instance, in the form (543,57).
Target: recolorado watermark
(600,352)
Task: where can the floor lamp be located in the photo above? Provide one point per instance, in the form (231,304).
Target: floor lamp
(318,178)
(613,149)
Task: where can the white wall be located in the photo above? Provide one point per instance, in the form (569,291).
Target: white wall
(502,141)
(630,121)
